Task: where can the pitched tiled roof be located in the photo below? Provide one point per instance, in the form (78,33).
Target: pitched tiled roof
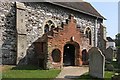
(83,7)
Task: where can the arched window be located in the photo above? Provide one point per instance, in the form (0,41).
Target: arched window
(49,25)
(88,34)
(56,55)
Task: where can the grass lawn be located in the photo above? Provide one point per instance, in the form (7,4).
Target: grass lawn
(116,65)
(86,76)
(31,72)
(108,74)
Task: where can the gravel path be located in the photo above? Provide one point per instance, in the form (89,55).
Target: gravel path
(71,72)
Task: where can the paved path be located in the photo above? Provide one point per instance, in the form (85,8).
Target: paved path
(72,72)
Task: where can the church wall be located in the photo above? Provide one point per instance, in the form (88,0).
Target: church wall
(35,16)
(8,32)
(69,35)
(38,13)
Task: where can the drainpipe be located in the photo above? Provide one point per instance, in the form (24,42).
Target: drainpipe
(95,33)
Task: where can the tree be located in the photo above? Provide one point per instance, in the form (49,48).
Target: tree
(117,40)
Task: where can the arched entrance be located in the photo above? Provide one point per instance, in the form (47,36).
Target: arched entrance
(69,55)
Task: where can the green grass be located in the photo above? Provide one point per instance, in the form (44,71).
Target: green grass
(108,74)
(116,65)
(29,72)
(86,76)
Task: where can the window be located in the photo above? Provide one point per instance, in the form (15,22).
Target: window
(85,56)
(88,35)
(56,55)
(49,25)
(46,29)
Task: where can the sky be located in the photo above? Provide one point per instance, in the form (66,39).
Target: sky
(108,9)
(118,17)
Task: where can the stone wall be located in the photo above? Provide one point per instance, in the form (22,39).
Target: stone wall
(101,39)
(36,13)
(8,32)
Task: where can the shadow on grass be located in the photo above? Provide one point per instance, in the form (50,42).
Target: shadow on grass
(88,77)
(116,65)
(26,67)
(71,77)
(116,77)
(117,70)
(28,79)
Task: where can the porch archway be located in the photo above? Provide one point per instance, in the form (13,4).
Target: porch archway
(70,53)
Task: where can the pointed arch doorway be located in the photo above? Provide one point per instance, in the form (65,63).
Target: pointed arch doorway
(69,55)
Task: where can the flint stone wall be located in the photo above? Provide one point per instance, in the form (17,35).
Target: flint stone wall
(35,16)
(8,32)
